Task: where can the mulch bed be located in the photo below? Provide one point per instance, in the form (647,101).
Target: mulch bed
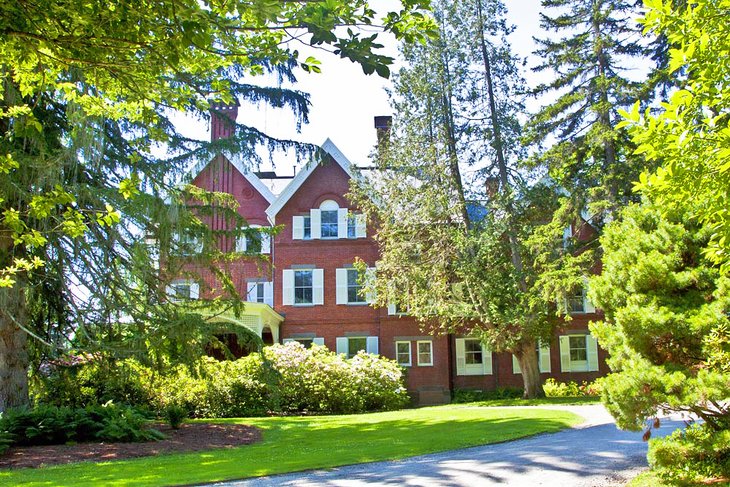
(190,437)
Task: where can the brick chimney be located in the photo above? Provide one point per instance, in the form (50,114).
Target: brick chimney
(222,120)
(382,128)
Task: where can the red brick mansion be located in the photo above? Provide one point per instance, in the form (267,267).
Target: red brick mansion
(310,291)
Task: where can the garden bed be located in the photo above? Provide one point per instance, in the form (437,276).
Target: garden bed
(190,437)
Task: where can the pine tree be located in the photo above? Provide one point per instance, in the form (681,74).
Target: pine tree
(452,209)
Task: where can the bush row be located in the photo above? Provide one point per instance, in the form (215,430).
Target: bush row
(51,425)
(283,379)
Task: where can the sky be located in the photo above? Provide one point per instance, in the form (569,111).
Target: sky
(345,101)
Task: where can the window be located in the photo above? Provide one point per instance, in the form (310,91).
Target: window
(472,358)
(354,289)
(473,352)
(425,352)
(578,353)
(260,292)
(307,228)
(349,286)
(306,342)
(403,353)
(303,287)
(351,345)
(254,241)
(576,302)
(351,226)
(329,224)
(183,289)
(188,244)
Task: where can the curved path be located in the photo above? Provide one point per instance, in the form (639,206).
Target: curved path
(594,453)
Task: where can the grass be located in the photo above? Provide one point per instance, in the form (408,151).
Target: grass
(300,443)
(565,401)
(647,479)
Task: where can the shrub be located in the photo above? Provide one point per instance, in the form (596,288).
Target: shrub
(554,388)
(175,415)
(318,380)
(695,455)
(474,395)
(48,425)
(93,382)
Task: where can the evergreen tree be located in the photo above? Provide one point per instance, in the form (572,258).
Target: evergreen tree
(452,208)
(86,89)
(590,49)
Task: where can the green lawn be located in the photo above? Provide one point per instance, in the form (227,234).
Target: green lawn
(647,479)
(300,443)
(565,401)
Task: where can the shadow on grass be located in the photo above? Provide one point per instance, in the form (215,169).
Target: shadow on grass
(294,444)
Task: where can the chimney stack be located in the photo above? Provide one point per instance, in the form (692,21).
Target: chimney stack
(382,128)
(223,120)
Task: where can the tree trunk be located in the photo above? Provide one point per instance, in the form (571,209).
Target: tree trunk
(526,354)
(14,361)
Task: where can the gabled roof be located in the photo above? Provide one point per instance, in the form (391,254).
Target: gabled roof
(330,148)
(248,175)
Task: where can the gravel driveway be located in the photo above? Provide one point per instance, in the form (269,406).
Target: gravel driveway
(594,453)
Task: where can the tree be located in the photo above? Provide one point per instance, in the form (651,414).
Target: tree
(666,325)
(591,156)
(85,95)
(689,136)
(452,254)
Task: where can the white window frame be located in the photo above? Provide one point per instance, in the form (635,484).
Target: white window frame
(429,363)
(462,368)
(193,290)
(342,283)
(397,353)
(264,238)
(567,364)
(260,292)
(343,345)
(288,291)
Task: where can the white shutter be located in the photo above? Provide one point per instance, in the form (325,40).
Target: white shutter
(317,286)
(360,226)
(297,228)
(341,286)
(194,290)
(544,359)
(171,293)
(342,345)
(318,341)
(486,360)
(592,353)
(369,279)
(241,243)
(516,365)
(460,357)
(287,281)
(265,243)
(315,220)
(251,294)
(372,345)
(564,353)
(391,309)
(342,223)
(269,293)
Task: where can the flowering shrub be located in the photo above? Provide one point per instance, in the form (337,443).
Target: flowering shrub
(284,379)
(318,380)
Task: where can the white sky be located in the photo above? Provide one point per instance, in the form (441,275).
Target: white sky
(344,100)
